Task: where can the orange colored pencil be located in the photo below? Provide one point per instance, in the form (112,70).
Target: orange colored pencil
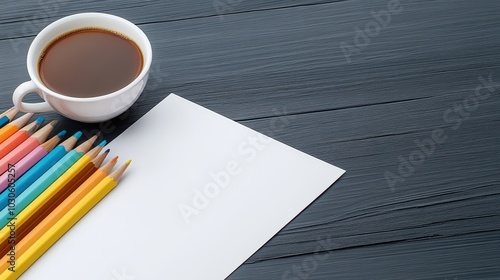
(19,137)
(11,128)
(58,198)
(65,223)
(29,161)
(59,212)
(27,146)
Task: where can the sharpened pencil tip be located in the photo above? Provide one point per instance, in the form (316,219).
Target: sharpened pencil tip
(10,114)
(119,172)
(115,159)
(40,120)
(107,151)
(103,143)
(61,134)
(54,123)
(78,135)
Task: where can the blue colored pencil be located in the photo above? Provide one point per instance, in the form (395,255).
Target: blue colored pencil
(22,183)
(20,202)
(7,116)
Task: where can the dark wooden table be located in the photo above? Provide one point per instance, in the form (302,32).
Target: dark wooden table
(404,95)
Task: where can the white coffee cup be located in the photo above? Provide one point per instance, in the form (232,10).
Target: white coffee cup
(92,109)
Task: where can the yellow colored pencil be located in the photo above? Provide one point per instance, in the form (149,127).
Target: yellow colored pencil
(52,203)
(20,247)
(67,221)
(41,196)
(54,188)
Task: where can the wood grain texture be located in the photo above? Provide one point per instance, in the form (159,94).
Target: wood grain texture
(257,60)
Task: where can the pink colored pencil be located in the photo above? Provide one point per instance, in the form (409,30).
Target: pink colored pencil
(31,159)
(26,146)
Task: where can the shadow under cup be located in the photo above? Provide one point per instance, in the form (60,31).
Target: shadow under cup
(87,109)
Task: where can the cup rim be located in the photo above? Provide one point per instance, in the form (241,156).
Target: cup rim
(147,55)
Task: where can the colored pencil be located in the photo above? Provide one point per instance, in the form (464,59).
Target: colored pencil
(38,169)
(26,147)
(49,220)
(29,160)
(19,203)
(7,116)
(13,127)
(19,137)
(42,244)
(7,112)
(49,204)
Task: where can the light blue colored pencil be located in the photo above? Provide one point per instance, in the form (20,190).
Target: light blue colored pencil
(17,205)
(35,172)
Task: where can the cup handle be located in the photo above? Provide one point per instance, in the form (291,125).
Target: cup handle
(21,91)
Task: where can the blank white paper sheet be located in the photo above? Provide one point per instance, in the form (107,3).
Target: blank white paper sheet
(203,193)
